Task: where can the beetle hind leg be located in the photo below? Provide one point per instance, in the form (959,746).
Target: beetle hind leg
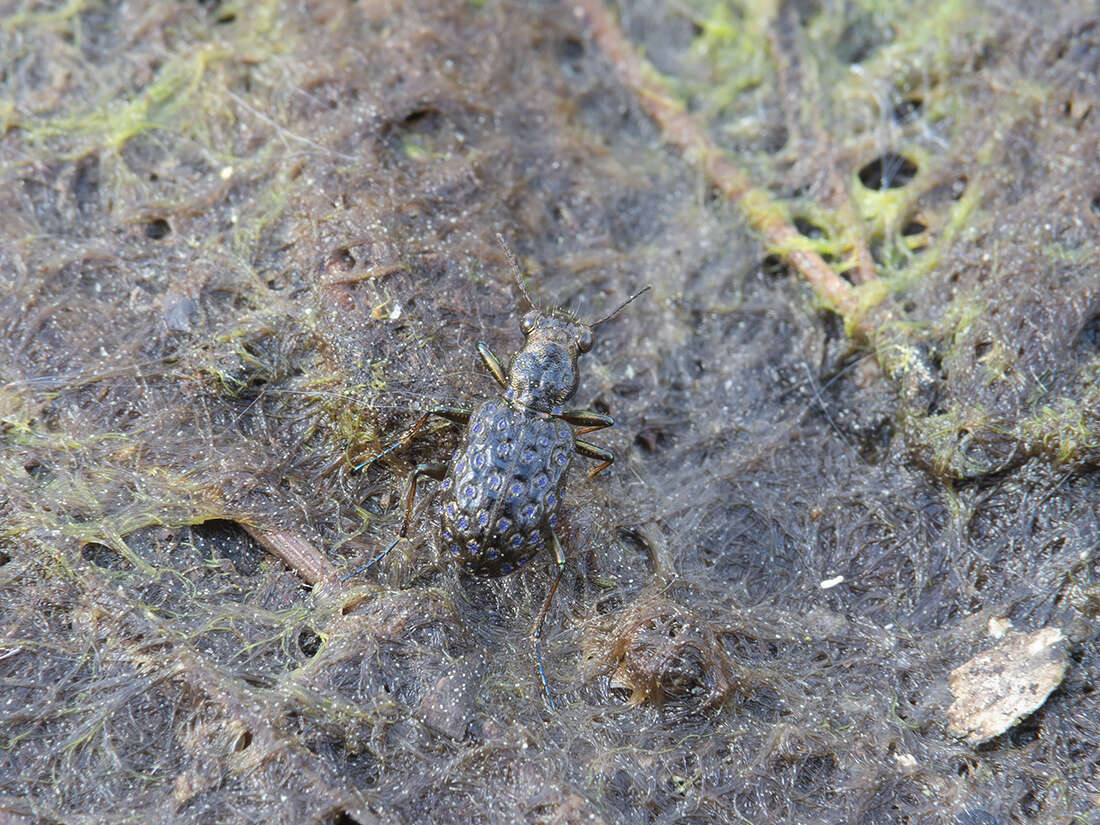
(436,470)
(458,415)
(536,635)
(431,469)
(372,562)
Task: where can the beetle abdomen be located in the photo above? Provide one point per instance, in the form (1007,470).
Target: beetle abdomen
(503,489)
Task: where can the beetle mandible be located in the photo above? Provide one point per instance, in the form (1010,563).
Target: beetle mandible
(502,489)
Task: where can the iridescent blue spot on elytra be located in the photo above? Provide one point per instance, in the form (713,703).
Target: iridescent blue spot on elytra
(473,546)
(494,481)
(468,491)
(534,538)
(503,525)
(544,441)
(530,511)
(529,456)
(451,509)
(456,550)
(551,500)
(483,517)
(553,519)
(502,423)
(505,449)
(493,554)
(448,535)
(447,484)
(505,569)
(562,458)
(460,468)
(517,540)
(463,524)
(522,561)
(478,428)
(490,408)
(516,489)
(479,460)
(540,481)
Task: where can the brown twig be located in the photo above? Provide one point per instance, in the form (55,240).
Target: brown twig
(787,43)
(301,556)
(684,131)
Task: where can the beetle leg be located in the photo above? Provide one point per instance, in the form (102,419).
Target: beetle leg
(436,470)
(459,415)
(496,367)
(536,636)
(587,420)
(433,469)
(372,562)
(589,450)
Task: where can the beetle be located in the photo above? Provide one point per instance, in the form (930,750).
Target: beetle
(502,488)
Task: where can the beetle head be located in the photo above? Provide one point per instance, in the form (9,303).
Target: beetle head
(543,375)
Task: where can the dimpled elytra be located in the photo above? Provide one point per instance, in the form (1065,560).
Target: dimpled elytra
(502,489)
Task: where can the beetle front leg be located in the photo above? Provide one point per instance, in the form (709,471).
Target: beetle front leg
(587,420)
(589,450)
(459,415)
(496,367)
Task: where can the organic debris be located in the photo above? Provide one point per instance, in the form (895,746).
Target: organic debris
(997,688)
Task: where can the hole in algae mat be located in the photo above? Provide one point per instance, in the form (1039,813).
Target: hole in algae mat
(808,229)
(103,556)
(774,266)
(570,50)
(224,539)
(651,439)
(1090,333)
(309,642)
(889,171)
(908,110)
(157,228)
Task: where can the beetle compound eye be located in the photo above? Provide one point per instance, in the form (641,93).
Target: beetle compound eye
(528,322)
(584,339)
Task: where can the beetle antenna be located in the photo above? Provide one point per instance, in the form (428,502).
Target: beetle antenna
(620,307)
(515,270)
